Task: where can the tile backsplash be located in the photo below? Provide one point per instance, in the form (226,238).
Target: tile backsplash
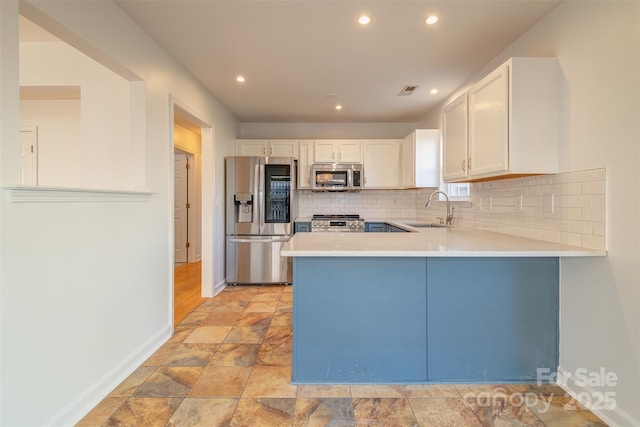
(368,203)
(565,208)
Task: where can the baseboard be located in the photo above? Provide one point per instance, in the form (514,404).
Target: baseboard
(85,402)
(219,287)
(613,417)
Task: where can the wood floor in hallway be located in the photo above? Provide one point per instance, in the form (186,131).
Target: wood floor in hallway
(187,290)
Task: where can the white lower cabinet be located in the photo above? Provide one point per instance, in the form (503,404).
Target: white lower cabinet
(382,164)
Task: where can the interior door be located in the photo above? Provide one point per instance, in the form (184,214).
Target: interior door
(29,155)
(181,205)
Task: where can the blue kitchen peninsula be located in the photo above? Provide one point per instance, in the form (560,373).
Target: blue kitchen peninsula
(447,305)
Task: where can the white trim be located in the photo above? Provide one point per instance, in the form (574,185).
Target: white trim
(94,394)
(208,199)
(73,195)
(615,417)
(218,287)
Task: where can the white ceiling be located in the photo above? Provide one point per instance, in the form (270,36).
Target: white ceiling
(302,57)
(295,53)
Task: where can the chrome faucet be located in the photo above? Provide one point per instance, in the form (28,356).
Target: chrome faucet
(449,209)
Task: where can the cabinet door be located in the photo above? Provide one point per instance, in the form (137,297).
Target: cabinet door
(455,136)
(421,158)
(382,161)
(324,152)
(251,148)
(409,160)
(506,344)
(349,152)
(305,160)
(427,158)
(489,124)
(283,148)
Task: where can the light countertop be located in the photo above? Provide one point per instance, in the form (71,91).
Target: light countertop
(431,242)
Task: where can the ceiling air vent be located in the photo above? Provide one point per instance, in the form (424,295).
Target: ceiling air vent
(408,90)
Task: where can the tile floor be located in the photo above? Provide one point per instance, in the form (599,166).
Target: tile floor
(229,364)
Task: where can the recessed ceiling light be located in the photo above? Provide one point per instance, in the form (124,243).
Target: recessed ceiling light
(240,79)
(433,91)
(364,20)
(431,20)
(338,107)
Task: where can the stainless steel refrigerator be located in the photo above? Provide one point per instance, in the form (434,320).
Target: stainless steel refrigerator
(260,206)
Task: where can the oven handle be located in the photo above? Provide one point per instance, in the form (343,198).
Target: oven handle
(232,240)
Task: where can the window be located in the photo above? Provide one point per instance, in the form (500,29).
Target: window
(457,191)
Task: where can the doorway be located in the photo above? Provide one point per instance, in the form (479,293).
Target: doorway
(182,177)
(187,222)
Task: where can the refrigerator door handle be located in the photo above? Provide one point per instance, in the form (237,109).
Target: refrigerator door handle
(286,239)
(261,190)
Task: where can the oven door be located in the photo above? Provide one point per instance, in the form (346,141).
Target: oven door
(257,259)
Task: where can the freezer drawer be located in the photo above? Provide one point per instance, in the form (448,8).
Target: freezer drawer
(256,259)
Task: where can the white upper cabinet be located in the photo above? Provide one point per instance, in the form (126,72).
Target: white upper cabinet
(455,136)
(382,164)
(337,151)
(421,158)
(489,124)
(256,147)
(511,124)
(305,160)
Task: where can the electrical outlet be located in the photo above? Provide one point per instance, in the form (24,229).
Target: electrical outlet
(486,203)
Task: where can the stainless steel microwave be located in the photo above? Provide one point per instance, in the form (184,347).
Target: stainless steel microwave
(336,177)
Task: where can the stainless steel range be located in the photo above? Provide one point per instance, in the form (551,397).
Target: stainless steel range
(337,222)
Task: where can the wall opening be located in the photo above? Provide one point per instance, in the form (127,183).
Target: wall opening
(90,119)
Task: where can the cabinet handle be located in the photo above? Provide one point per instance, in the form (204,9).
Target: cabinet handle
(469,163)
(264,151)
(463,169)
(271,151)
(333,155)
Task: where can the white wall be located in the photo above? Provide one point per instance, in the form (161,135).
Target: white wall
(86,287)
(598,48)
(105,122)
